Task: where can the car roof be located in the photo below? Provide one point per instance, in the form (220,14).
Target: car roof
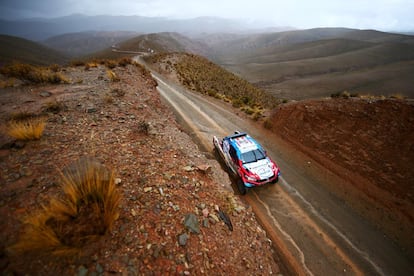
(242,142)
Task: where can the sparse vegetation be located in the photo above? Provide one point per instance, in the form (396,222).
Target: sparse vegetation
(112,76)
(26,129)
(90,65)
(54,107)
(77,62)
(201,75)
(88,209)
(347,95)
(111,64)
(124,61)
(54,68)
(7,83)
(33,74)
(22,115)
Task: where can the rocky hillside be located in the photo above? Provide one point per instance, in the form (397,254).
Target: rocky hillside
(364,141)
(173,208)
(367,141)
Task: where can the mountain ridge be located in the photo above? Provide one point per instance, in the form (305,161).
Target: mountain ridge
(43,28)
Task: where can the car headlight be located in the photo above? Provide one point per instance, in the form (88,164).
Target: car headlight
(250,178)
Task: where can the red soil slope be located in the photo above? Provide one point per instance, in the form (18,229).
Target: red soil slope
(368,144)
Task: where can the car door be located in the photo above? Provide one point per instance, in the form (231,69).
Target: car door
(234,160)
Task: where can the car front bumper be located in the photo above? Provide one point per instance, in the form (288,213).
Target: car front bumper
(251,184)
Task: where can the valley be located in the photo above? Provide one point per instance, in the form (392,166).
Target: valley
(333,107)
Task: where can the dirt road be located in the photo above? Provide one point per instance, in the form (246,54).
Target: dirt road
(314,232)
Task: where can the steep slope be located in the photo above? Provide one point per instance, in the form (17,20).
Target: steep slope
(368,143)
(26,51)
(163,176)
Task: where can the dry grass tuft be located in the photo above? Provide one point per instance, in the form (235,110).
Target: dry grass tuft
(201,75)
(33,74)
(112,76)
(10,82)
(111,64)
(54,107)
(75,63)
(28,129)
(22,115)
(123,62)
(87,210)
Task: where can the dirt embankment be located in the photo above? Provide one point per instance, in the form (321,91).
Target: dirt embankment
(368,143)
(161,173)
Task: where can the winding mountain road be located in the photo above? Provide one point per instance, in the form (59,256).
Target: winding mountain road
(313,232)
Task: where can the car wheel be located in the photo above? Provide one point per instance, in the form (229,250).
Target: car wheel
(275,181)
(241,187)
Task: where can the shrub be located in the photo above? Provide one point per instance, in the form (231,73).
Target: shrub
(88,209)
(236,103)
(111,64)
(124,62)
(54,107)
(7,83)
(90,65)
(248,110)
(32,73)
(77,63)
(112,76)
(54,68)
(257,115)
(57,78)
(29,129)
(23,115)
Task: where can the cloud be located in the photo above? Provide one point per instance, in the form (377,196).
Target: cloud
(380,14)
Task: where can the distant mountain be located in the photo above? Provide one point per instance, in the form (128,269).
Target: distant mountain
(41,29)
(84,43)
(157,42)
(319,62)
(26,51)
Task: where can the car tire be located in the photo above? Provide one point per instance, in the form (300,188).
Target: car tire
(240,186)
(275,181)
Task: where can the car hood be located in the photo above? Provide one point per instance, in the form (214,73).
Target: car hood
(262,168)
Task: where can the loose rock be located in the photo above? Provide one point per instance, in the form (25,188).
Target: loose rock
(191,223)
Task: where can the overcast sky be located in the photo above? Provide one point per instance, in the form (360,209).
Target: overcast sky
(385,15)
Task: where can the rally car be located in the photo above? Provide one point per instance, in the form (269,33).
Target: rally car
(247,160)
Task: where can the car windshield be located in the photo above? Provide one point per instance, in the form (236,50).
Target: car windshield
(252,156)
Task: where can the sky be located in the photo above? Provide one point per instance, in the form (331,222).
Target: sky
(386,15)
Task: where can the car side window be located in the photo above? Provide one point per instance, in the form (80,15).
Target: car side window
(233,153)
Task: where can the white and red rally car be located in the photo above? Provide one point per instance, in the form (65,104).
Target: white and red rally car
(246,159)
